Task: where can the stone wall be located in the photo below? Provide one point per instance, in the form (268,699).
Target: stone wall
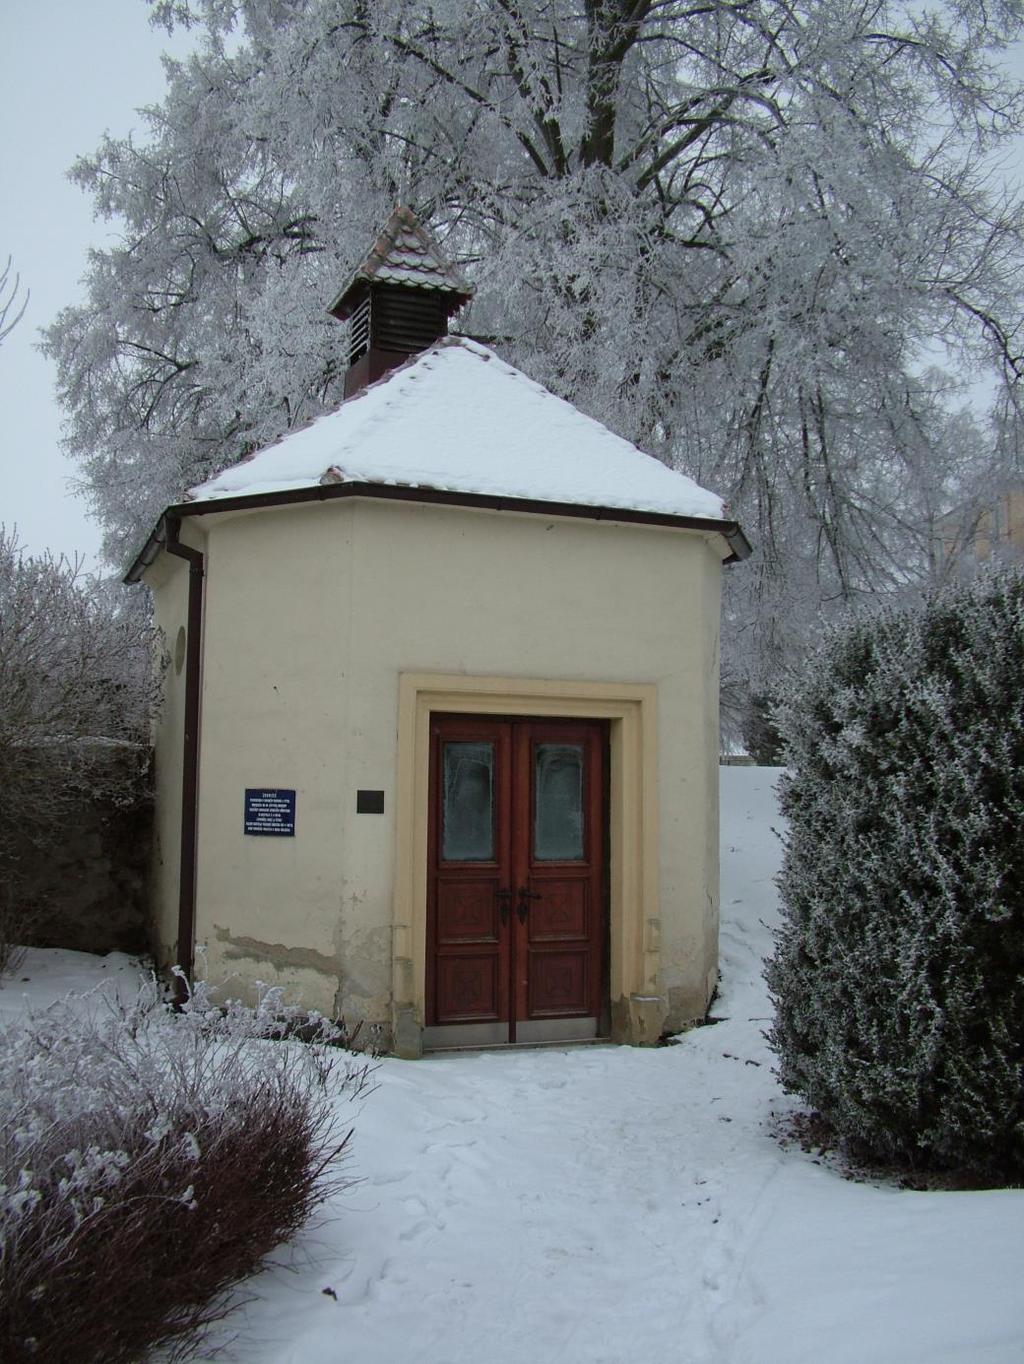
(85,886)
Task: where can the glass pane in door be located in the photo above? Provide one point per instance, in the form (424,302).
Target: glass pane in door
(558,803)
(468,803)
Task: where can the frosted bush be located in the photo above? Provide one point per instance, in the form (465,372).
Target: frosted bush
(149,1159)
(78,691)
(898,973)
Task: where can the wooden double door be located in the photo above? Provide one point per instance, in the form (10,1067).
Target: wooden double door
(516,921)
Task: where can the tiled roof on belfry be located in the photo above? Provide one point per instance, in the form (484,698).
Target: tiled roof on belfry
(404,254)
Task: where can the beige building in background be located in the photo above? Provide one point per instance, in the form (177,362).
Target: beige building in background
(977,532)
(439,751)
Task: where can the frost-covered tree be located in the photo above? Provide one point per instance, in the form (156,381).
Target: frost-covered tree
(77,692)
(898,973)
(732,231)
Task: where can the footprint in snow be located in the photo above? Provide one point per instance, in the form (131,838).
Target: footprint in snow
(389,1177)
(423,1225)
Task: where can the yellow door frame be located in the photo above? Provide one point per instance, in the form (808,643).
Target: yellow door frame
(637,1008)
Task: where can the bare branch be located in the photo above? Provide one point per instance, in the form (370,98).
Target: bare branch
(9,300)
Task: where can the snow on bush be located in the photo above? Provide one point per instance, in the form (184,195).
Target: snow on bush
(149,1160)
(898,973)
(78,691)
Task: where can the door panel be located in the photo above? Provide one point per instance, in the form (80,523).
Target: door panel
(467,911)
(470,865)
(515,910)
(468,984)
(559,797)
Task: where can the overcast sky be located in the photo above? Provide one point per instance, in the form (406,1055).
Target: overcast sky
(69,71)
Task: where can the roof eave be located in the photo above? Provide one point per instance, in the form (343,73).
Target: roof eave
(147,554)
(345,304)
(730,531)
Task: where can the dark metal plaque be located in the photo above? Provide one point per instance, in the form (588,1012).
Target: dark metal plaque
(270,810)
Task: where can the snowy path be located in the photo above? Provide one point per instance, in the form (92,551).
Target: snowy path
(607,1205)
(550,1206)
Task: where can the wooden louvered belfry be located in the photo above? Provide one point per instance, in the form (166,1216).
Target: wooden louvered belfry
(399,300)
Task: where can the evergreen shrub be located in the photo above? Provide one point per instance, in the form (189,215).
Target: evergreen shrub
(898,970)
(149,1160)
(761,737)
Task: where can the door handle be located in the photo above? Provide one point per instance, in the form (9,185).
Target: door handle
(504,899)
(523,907)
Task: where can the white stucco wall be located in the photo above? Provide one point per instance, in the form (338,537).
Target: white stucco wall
(312,613)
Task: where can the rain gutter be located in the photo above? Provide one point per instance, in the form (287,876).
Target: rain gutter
(730,531)
(190,752)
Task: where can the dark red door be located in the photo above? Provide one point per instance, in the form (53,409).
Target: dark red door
(515,902)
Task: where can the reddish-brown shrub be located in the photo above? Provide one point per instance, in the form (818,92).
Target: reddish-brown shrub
(177,1152)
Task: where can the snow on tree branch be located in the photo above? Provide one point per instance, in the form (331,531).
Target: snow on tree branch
(737,234)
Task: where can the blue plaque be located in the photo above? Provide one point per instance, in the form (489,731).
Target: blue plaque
(270,810)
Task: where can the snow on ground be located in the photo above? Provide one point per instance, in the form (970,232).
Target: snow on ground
(48,974)
(606,1205)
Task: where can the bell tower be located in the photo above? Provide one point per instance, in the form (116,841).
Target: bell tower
(399,300)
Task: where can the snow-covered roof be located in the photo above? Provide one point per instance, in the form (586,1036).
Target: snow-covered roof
(456,418)
(404,254)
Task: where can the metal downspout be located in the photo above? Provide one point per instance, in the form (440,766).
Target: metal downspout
(190,755)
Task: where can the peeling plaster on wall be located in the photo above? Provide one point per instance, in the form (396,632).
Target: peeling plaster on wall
(686,1007)
(637,1020)
(368,973)
(277,954)
(369,969)
(363,956)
